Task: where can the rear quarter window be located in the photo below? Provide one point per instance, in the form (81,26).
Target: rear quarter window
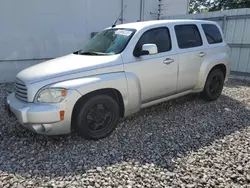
(188,36)
(212,33)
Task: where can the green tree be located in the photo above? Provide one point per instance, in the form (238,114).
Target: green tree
(215,5)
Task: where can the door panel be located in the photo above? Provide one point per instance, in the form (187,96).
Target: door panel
(191,55)
(157,79)
(157,73)
(189,68)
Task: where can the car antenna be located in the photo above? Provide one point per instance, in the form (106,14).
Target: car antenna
(119,16)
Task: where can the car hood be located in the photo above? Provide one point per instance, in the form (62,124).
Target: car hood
(70,64)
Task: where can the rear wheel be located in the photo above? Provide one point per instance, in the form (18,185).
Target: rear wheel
(97,117)
(214,85)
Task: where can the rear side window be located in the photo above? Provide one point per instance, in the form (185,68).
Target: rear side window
(212,33)
(159,36)
(188,36)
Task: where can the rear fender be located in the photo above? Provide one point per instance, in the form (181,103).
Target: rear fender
(208,64)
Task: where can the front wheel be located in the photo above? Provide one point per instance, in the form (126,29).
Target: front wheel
(97,117)
(214,85)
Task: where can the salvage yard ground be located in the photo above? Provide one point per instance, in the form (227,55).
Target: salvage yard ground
(185,142)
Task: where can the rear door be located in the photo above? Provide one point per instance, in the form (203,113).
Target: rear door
(191,55)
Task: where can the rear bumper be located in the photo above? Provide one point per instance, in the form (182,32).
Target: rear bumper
(44,118)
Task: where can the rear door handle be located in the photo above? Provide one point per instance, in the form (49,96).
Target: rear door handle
(202,54)
(168,61)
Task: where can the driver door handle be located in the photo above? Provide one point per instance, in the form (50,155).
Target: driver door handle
(202,54)
(168,61)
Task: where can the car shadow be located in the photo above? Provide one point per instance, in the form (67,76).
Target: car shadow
(155,135)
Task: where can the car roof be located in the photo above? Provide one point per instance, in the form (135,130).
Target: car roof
(141,25)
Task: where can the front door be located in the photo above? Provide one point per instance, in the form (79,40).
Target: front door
(157,73)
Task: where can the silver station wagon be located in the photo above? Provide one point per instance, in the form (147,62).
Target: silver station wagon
(121,70)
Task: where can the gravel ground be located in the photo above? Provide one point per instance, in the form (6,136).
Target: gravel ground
(182,143)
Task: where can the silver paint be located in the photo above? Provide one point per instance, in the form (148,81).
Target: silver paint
(142,81)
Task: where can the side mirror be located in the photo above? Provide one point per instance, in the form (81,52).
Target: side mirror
(148,49)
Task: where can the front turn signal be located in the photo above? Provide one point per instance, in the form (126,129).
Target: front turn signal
(62,113)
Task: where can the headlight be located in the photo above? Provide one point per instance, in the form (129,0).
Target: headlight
(52,95)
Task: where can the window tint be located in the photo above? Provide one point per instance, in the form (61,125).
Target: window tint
(188,36)
(212,33)
(159,36)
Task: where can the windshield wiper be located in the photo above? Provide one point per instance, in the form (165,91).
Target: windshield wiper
(92,53)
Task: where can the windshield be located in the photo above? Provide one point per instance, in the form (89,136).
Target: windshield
(108,42)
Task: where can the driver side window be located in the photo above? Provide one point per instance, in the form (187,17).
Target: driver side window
(159,36)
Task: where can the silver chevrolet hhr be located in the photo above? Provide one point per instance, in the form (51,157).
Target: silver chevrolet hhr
(121,70)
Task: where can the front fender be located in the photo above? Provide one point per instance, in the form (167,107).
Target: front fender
(207,66)
(124,83)
(134,92)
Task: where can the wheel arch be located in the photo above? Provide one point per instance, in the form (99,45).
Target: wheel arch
(222,67)
(212,93)
(114,93)
(220,62)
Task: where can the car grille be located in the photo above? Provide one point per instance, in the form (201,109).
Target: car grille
(21,90)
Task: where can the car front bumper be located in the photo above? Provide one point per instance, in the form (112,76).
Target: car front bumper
(44,118)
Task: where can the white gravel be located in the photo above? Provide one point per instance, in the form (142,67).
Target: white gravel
(182,143)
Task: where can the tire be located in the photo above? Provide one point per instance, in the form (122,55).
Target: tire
(214,85)
(96,117)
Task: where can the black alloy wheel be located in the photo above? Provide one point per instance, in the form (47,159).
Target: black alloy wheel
(97,117)
(214,85)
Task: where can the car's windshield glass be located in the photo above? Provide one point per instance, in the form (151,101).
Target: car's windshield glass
(108,42)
